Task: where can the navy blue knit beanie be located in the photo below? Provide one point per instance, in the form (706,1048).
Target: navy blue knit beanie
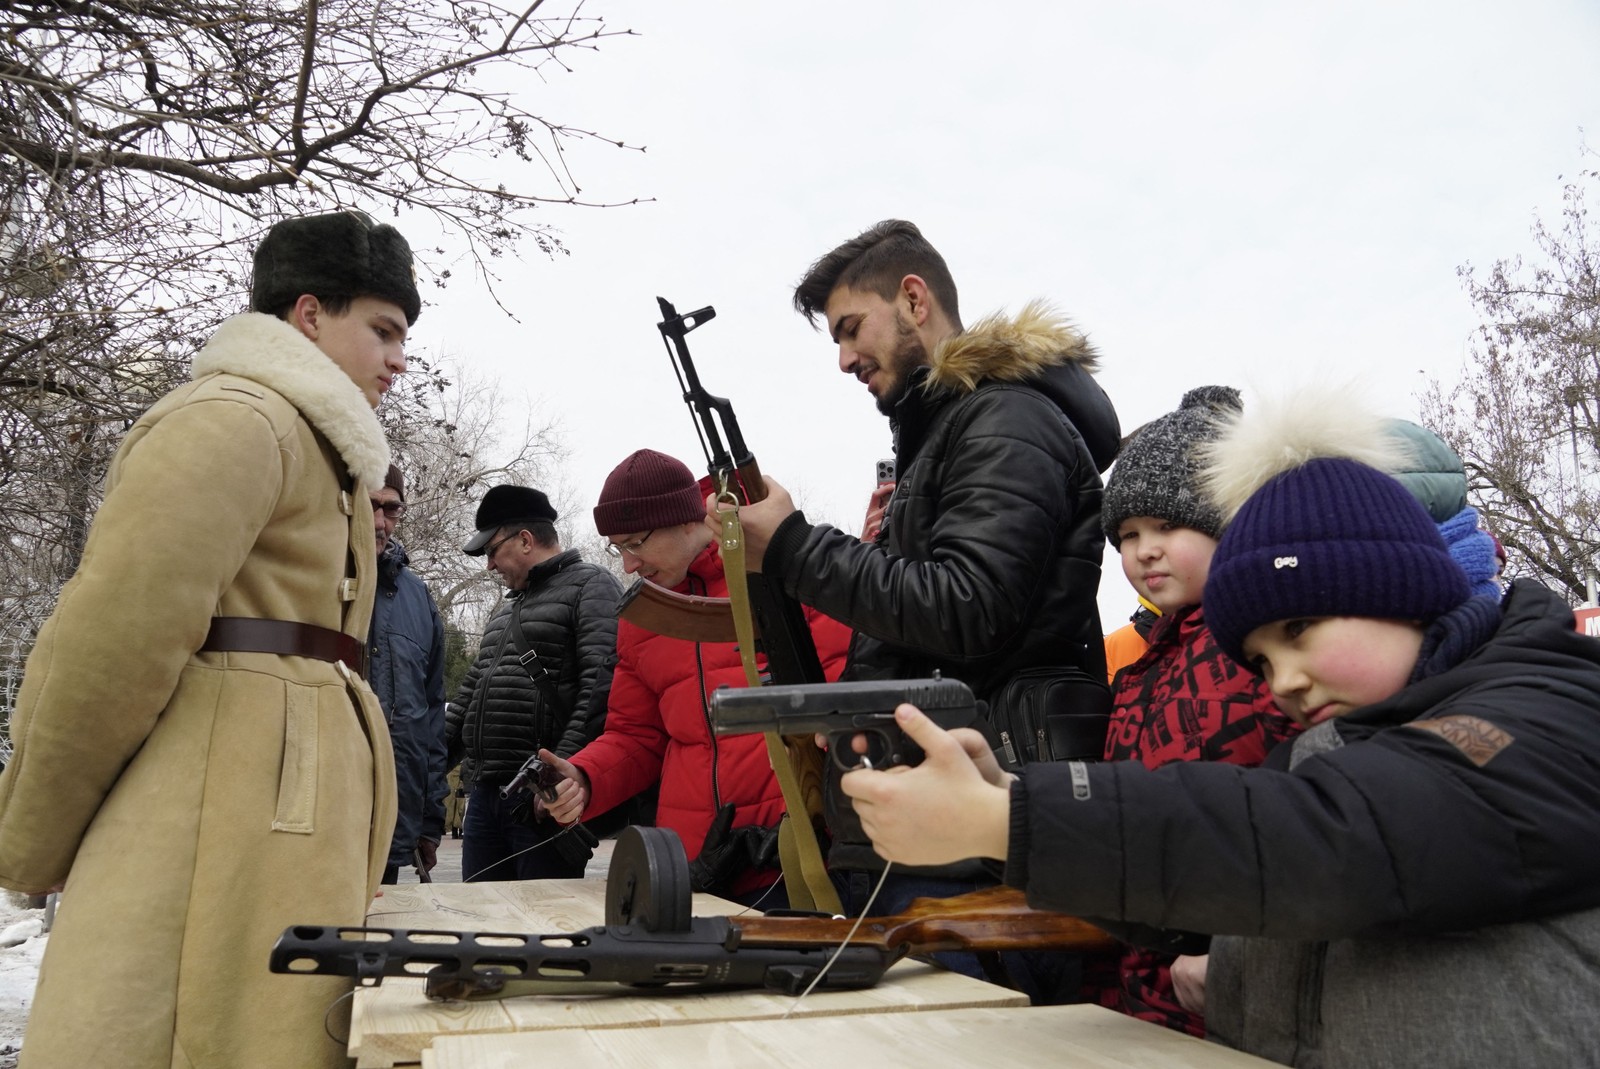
(1332,537)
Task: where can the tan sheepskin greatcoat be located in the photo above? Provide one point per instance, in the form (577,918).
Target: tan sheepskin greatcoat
(199,803)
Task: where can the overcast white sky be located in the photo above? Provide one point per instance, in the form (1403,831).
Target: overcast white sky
(1253,194)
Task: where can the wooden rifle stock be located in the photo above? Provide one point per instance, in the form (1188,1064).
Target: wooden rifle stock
(755,487)
(997,918)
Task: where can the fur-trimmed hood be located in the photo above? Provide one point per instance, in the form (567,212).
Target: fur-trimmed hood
(269,351)
(1038,347)
(1009,349)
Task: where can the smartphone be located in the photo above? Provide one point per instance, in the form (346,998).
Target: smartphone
(885,471)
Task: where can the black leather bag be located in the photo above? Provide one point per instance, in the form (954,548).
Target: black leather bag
(1051,713)
(728,852)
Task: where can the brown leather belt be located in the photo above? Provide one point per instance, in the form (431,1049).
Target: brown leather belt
(247,634)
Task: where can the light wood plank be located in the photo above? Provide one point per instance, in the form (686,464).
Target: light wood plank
(1059,1036)
(395,1023)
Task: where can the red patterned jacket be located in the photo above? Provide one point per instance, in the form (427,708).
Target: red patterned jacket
(1183,700)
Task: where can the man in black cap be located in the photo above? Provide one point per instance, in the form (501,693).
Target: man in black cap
(194,741)
(542,678)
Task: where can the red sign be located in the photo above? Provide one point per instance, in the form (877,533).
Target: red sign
(1588,621)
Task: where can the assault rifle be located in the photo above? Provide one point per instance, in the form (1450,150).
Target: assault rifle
(844,710)
(780,624)
(780,953)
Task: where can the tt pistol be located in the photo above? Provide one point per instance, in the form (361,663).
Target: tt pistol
(842,711)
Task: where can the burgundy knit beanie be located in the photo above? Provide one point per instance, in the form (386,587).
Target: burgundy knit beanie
(396,481)
(646,491)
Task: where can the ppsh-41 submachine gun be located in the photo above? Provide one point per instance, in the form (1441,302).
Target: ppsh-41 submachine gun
(650,939)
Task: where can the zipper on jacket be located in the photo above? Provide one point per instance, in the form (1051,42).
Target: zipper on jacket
(705,708)
(1308,1011)
(481,699)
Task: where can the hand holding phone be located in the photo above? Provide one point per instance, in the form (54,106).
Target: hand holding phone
(878,503)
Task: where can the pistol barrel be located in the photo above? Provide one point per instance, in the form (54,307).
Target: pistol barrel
(833,707)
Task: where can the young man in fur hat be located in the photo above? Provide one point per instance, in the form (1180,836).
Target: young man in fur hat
(1415,879)
(988,561)
(197,756)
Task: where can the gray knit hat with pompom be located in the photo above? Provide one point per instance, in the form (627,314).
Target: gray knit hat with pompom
(1157,473)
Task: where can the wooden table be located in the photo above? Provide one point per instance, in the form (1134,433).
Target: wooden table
(394,1024)
(1055,1036)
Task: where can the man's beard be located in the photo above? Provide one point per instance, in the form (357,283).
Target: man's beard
(908,355)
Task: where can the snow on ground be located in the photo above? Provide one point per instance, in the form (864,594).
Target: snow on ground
(21,946)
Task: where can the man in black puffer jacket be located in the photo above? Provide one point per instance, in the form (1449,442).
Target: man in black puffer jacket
(542,678)
(988,560)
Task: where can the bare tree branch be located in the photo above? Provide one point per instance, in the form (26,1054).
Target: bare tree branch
(145,145)
(1526,415)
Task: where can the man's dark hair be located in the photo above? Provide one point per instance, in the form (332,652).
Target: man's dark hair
(336,305)
(876,260)
(543,532)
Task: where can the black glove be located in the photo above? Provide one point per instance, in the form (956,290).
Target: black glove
(576,844)
(761,844)
(730,851)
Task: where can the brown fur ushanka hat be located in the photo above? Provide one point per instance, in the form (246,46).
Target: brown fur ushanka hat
(340,254)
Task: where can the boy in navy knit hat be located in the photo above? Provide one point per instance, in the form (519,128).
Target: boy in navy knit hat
(1415,879)
(1182,699)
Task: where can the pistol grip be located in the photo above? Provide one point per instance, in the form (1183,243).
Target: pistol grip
(887,747)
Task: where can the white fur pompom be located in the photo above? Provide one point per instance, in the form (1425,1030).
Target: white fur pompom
(1276,435)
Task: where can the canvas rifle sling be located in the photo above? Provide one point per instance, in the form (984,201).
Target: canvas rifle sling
(797,840)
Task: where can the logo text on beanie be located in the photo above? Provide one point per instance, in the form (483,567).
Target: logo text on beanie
(1286,562)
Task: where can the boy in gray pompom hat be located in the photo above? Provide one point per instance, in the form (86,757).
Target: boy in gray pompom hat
(1183,699)
(1155,473)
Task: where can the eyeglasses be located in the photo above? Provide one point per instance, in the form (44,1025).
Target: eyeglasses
(617,549)
(392,509)
(488,554)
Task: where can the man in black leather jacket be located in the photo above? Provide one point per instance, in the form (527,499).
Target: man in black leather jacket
(988,561)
